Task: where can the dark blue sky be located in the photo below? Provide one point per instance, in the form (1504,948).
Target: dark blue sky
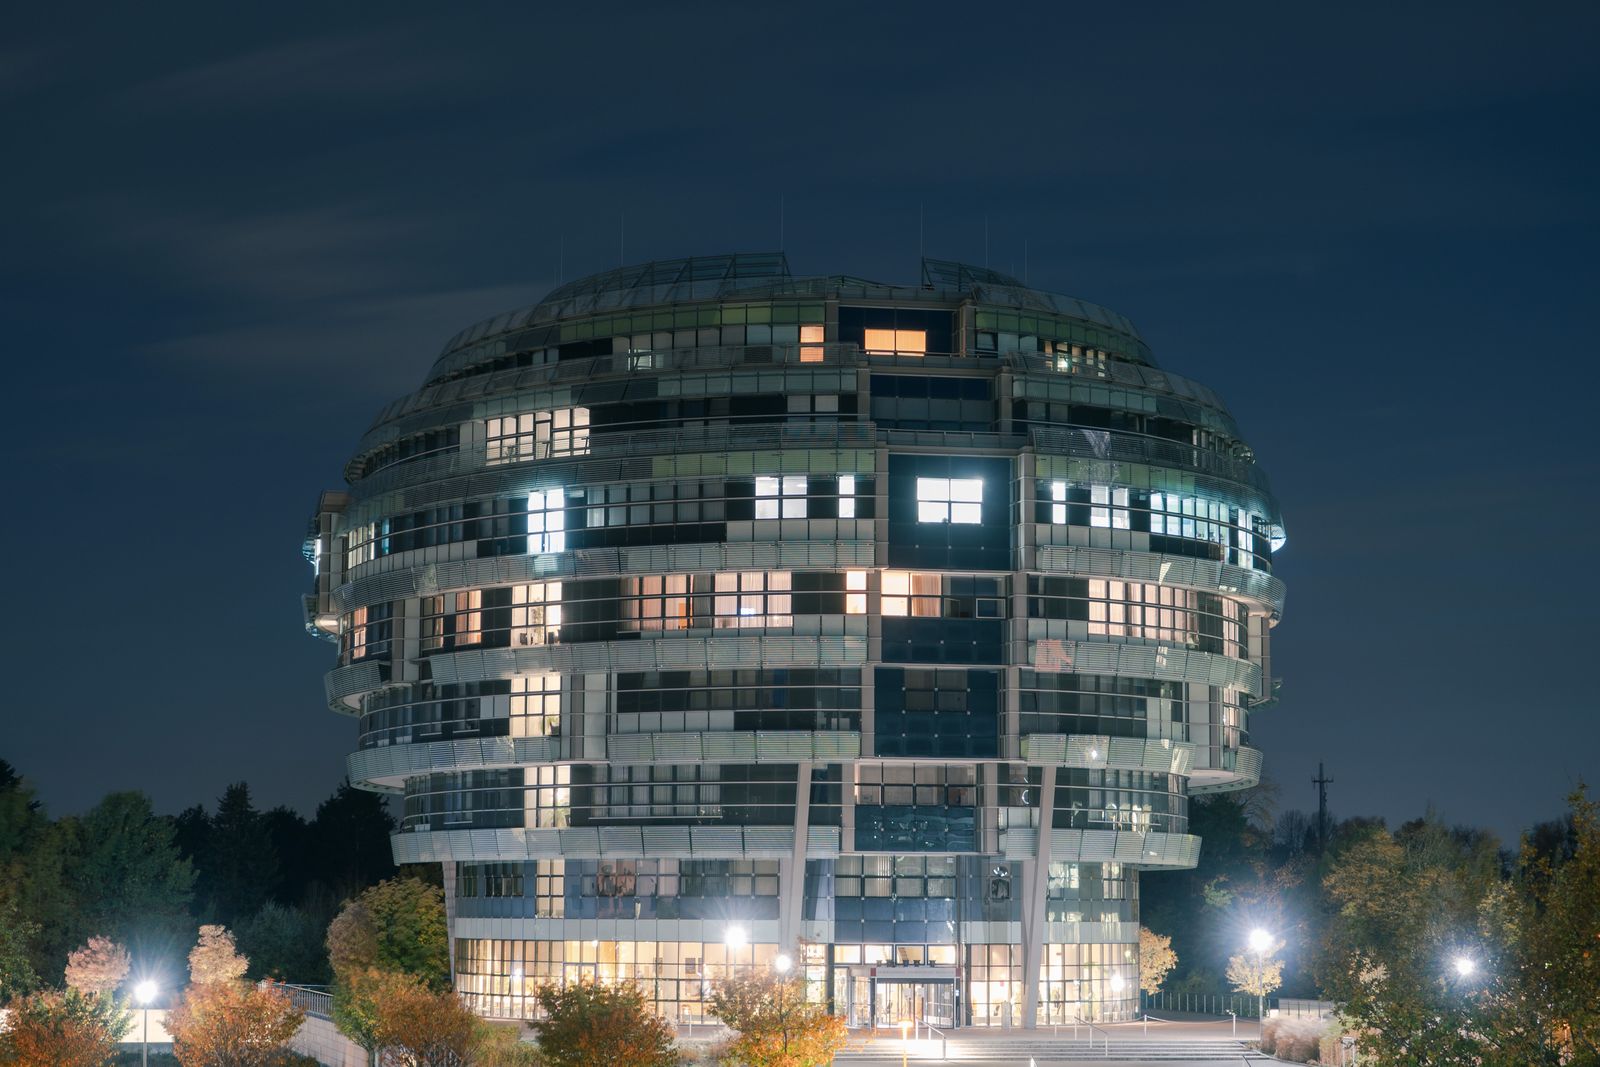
(233,234)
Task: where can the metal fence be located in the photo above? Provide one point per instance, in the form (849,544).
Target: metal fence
(1240,1004)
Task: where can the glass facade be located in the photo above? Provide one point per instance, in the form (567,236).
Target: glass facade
(701,614)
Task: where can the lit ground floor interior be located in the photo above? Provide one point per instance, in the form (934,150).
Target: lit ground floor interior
(946,941)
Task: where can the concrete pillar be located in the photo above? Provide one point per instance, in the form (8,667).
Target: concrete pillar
(792,871)
(1033,902)
(450,913)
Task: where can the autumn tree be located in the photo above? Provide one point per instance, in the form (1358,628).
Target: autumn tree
(1254,974)
(99,967)
(398,926)
(415,1026)
(233,1023)
(777,1026)
(62,1029)
(215,959)
(1156,960)
(588,1024)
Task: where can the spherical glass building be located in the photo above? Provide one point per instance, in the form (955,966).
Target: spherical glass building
(708,617)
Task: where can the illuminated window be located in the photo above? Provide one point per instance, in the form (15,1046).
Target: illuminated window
(536,705)
(655,602)
(752,599)
(1193,517)
(1058,503)
(781,497)
(939,596)
(950,500)
(847,496)
(535,614)
(453,620)
(361,546)
(1110,507)
(905,593)
(811,350)
(538,435)
(896,342)
(367,632)
(548,798)
(855,596)
(547,520)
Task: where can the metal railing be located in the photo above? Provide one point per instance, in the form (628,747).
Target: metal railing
(1105,1037)
(313,1000)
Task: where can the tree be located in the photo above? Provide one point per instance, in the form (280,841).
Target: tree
(1254,974)
(588,1024)
(17,976)
(349,848)
(122,843)
(1156,960)
(399,926)
(418,1027)
(285,943)
(62,1029)
(215,960)
(359,996)
(231,1023)
(777,1027)
(99,967)
(240,871)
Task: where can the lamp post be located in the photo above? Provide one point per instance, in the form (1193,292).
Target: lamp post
(144,993)
(1260,944)
(1118,983)
(1465,966)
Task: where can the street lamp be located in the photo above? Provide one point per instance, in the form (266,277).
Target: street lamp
(1465,966)
(144,993)
(783,964)
(1261,944)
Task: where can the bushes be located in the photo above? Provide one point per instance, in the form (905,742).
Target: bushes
(1298,1040)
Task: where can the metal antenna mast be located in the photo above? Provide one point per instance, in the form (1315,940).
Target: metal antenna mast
(1322,782)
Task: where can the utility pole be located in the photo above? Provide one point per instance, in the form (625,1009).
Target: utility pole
(1322,782)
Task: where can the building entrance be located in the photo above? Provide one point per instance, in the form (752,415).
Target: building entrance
(887,1000)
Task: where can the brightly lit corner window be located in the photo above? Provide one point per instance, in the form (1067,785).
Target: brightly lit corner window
(896,342)
(1109,507)
(537,435)
(752,599)
(547,520)
(548,798)
(535,614)
(781,497)
(950,500)
(811,350)
(655,602)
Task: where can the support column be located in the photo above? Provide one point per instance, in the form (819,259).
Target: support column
(1033,902)
(449,873)
(792,871)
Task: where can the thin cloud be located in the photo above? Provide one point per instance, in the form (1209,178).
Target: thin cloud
(379,66)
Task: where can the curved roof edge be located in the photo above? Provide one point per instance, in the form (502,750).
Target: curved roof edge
(767,274)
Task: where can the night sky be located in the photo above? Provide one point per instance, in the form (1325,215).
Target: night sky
(232,234)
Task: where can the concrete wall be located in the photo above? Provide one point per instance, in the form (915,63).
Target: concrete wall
(319,1039)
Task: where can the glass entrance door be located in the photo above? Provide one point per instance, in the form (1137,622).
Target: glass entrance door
(933,1003)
